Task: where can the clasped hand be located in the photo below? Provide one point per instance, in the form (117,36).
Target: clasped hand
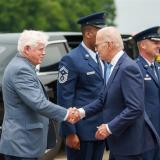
(102,132)
(73,115)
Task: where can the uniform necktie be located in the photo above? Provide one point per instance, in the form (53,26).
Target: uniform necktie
(108,71)
(99,64)
(154,70)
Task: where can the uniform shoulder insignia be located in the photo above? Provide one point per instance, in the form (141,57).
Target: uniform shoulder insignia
(63,75)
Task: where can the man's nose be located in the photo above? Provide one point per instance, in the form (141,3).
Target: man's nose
(44,53)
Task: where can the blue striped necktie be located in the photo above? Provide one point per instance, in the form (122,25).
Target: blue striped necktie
(99,64)
(108,71)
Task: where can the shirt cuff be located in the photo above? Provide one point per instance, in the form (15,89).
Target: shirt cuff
(66,116)
(109,131)
(82,112)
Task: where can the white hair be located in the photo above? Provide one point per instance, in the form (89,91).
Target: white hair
(31,38)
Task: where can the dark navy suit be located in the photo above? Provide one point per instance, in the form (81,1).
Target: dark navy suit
(122,103)
(80,83)
(152,96)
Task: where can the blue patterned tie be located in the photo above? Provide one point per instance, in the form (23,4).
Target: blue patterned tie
(99,64)
(108,71)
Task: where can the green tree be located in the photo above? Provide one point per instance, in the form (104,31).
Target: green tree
(50,15)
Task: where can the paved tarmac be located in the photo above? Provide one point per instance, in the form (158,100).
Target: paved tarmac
(62,156)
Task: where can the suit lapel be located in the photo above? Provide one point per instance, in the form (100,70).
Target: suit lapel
(149,70)
(112,76)
(90,60)
(115,70)
(44,91)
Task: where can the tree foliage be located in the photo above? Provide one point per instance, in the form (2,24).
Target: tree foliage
(50,15)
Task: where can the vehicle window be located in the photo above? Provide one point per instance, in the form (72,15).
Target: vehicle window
(2,49)
(7,52)
(54,53)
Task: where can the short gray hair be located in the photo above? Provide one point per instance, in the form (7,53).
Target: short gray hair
(31,38)
(112,34)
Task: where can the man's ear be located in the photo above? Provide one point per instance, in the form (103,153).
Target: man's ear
(88,34)
(142,44)
(26,49)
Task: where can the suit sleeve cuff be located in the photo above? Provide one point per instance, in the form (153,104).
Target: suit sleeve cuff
(66,116)
(82,112)
(107,127)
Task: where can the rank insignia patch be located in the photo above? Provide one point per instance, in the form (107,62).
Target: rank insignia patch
(63,75)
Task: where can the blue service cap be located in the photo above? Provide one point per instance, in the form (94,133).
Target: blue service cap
(95,19)
(150,33)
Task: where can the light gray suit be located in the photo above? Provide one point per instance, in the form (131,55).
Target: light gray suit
(27,109)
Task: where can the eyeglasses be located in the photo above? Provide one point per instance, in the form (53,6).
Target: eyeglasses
(97,45)
(100,44)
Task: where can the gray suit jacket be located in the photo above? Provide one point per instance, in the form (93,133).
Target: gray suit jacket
(27,109)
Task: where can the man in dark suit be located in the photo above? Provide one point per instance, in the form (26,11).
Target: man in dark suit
(27,108)
(148,42)
(126,126)
(80,82)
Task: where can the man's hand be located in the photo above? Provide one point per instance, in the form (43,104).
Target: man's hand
(73,115)
(102,132)
(73,141)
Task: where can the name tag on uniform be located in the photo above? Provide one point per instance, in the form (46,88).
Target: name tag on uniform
(147,78)
(90,73)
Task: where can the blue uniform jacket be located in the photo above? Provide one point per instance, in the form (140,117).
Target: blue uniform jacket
(152,91)
(80,83)
(122,103)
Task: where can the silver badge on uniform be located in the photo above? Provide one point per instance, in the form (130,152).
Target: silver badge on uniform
(147,77)
(90,73)
(63,75)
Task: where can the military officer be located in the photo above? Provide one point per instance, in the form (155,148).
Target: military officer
(80,81)
(148,42)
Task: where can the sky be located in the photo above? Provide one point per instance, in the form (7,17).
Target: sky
(136,15)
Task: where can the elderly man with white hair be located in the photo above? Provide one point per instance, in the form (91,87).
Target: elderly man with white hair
(27,108)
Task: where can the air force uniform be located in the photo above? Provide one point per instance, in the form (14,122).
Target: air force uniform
(151,74)
(80,82)
(152,91)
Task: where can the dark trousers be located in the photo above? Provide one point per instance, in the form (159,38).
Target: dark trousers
(130,157)
(7,157)
(89,150)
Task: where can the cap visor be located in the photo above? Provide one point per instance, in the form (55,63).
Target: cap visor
(99,26)
(156,39)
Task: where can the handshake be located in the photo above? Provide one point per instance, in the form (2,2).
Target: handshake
(73,116)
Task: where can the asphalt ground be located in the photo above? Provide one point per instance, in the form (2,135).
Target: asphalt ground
(62,155)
